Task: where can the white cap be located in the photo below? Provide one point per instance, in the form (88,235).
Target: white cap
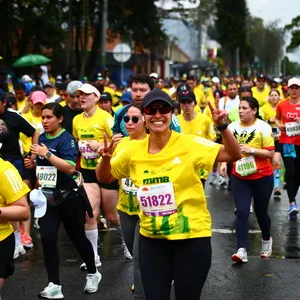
(39,202)
(89,89)
(277,80)
(215,79)
(154,75)
(294,81)
(26,78)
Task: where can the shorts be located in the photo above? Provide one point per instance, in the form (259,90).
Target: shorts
(277,146)
(7,249)
(89,176)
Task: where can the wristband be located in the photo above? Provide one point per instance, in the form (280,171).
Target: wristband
(222,127)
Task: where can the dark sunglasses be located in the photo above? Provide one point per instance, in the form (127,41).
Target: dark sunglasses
(134,119)
(162,109)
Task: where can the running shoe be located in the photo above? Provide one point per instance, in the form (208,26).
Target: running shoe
(240,256)
(26,241)
(92,283)
(266,248)
(52,291)
(277,192)
(293,210)
(19,250)
(97,264)
(127,254)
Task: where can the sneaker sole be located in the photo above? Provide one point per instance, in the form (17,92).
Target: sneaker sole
(28,246)
(55,297)
(266,255)
(237,259)
(294,212)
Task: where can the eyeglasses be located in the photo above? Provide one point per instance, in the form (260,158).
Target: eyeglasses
(134,119)
(162,109)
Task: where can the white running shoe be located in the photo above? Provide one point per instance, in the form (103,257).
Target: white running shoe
(19,250)
(127,254)
(240,256)
(266,248)
(97,264)
(52,291)
(92,283)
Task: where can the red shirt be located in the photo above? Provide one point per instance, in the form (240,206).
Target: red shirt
(289,112)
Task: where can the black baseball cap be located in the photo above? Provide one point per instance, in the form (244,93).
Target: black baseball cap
(186,95)
(155,95)
(106,96)
(182,87)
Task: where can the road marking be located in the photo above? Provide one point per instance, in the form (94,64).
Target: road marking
(231,231)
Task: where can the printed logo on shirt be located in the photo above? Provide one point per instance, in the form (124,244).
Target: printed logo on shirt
(292,116)
(155,180)
(176,161)
(244,137)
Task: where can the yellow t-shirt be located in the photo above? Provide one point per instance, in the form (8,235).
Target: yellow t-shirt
(261,97)
(21,104)
(177,165)
(12,189)
(91,129)
(128,202)
(36,122)
(268,113)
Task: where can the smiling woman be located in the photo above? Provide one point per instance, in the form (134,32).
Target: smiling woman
(165,170)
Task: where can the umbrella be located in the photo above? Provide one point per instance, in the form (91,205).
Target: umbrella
(31,60)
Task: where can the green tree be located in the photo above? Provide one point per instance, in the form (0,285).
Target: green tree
(294,29)
(231,18)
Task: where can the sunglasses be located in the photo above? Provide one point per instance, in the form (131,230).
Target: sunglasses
(162,109)
(134,119)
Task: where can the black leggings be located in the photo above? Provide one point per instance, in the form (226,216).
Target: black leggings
(292,173)
(243,191)
(72,214)
(187,262)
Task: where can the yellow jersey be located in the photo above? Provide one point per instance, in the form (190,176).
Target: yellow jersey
(21,104)
(268,113)
(36,122)
(128,202)
(172,176)
(87,129)
(261,97)
(12,189)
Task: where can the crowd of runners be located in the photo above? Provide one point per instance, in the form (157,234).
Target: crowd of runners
(78,152)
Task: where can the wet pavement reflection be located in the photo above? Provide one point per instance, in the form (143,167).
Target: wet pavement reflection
(270,279)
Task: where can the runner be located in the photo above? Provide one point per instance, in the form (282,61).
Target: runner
(88,129)
(128,206)
(56,159)
(14,207)
(287,120)
(10,151)
(252,176)
(269,113)
(172,243)
(261,90)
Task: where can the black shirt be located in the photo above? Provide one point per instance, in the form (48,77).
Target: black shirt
(15,124)
(69,115)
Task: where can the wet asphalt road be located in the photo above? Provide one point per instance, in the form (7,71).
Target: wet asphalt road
(272,279)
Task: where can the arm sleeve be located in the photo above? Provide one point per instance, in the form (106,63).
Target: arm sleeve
(25,126)
(205,153)
(13,186)
(68,150)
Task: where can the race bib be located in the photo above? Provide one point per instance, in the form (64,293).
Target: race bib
(128,187)
(47,176)
(246,166)
(292,128)
(157,200)
(85,151)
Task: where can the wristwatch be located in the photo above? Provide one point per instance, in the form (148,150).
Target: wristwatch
(48,154)
(252,151)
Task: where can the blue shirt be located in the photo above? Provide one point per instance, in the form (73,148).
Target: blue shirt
(63,146)
(119,127)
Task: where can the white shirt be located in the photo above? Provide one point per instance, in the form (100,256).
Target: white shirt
(52,99)
(230,103)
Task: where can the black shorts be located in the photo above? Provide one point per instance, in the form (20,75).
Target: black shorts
(7,248)
(89,176)
(277,146)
